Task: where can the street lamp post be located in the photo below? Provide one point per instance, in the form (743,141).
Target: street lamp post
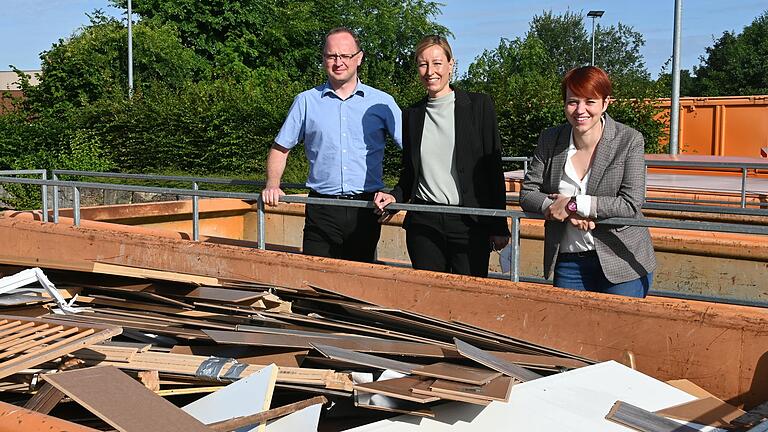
(594,14)
(130,52)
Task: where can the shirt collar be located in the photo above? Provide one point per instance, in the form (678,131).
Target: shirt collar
(360,88)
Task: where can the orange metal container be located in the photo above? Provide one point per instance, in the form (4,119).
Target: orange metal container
(722,126)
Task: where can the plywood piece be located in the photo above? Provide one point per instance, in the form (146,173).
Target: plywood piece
(455,372)
(708,411)
(489,360)
(690,388)
(643,420)
(46,398)
(245,354)
(498,389)
(29,342)
(427,390)
(245,397)
(400,388)
(121,401)
(364,359)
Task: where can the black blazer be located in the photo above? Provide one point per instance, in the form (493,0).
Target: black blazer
(478,156)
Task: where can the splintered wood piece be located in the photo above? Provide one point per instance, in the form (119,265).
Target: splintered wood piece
(51,339)
(399,388)
(498,389)
(121,401)
(489,360)
(644,421)
(454,372)
(46,398)
(365,359)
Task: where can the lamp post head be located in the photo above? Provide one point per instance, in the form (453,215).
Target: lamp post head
(595,13)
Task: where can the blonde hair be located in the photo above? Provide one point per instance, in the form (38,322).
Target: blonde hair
(430,41)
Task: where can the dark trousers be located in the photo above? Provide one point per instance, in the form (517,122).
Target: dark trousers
(341,232)
(447,243)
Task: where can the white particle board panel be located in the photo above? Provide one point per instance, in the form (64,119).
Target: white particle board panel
(577,401)
(304,420)
(247,396)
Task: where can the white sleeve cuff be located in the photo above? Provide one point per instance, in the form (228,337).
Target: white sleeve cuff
(584,205)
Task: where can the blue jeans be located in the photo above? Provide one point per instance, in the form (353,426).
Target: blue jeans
(583,272)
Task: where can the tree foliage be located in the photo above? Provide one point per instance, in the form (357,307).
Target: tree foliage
(523,76)
(736,64)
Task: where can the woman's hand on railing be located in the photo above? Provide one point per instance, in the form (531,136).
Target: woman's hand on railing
(557,210)
(580,222)
(381,200)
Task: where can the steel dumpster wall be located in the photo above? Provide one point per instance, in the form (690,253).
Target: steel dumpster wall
(720,347)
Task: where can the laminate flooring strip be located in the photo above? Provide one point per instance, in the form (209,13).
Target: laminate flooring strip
(400,388)
(460,373)
(498,389)
(121,401)
(364,359)
(489,360)
(644,421)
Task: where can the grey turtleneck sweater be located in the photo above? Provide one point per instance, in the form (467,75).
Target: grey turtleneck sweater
(439,181)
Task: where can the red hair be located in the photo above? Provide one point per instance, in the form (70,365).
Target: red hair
(588,82)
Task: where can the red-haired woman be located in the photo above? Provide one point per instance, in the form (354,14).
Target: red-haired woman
(589,169)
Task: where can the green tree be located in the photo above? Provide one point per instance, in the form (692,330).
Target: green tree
(736,64)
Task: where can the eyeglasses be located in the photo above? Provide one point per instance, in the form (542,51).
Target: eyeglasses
(343,57)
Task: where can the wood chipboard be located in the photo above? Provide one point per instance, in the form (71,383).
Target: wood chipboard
(460,373)
(400,388)
(283,338)
(489,360)
(26,342)
(364,359)
(121,401)
(498,389)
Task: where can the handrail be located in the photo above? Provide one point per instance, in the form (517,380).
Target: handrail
(43,189)
(516,216)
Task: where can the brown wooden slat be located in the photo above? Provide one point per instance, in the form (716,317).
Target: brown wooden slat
(121,401)
(498,389)
(399,388)
(46,398)
(460,373)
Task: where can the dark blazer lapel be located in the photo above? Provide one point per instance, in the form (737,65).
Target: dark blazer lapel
(604,153)
(559,156)
(418,113)
(462,119)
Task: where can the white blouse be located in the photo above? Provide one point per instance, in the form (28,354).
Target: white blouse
(574,239)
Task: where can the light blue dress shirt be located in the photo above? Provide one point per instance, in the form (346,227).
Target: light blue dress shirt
(343,139)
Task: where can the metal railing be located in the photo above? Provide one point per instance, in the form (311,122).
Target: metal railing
(744,167)
(44,190)
(515,216)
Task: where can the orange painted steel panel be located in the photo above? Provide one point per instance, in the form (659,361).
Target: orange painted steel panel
(723,348)
(14,419)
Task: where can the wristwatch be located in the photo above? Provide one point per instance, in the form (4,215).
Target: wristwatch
(571,206)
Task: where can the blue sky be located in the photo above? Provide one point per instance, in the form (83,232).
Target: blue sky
(32,26)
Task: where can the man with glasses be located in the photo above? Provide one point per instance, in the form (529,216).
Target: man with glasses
(343,124)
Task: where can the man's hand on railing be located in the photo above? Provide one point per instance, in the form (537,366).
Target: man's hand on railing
(381,200)
(271,195)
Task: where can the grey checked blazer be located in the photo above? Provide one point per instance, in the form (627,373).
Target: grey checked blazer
(616,182)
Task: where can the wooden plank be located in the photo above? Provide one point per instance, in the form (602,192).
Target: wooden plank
(489,360)
(455,372)
(50,346)
(295,339)
(365,359)
(498,389)
(544,361)
(137,272)
(642,420)
(399,388)
(239,422)
(122,402)
(46,398)
(245,354)
(426,389)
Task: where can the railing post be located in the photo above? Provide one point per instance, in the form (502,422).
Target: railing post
(261,222)
(76,208)
(55,199)
(515,249)
(743,188)
(45,196)
(195,215)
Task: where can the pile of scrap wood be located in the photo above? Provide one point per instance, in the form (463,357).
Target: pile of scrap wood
(138,350)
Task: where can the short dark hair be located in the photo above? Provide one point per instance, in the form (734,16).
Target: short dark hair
(342,30)
(588,82)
